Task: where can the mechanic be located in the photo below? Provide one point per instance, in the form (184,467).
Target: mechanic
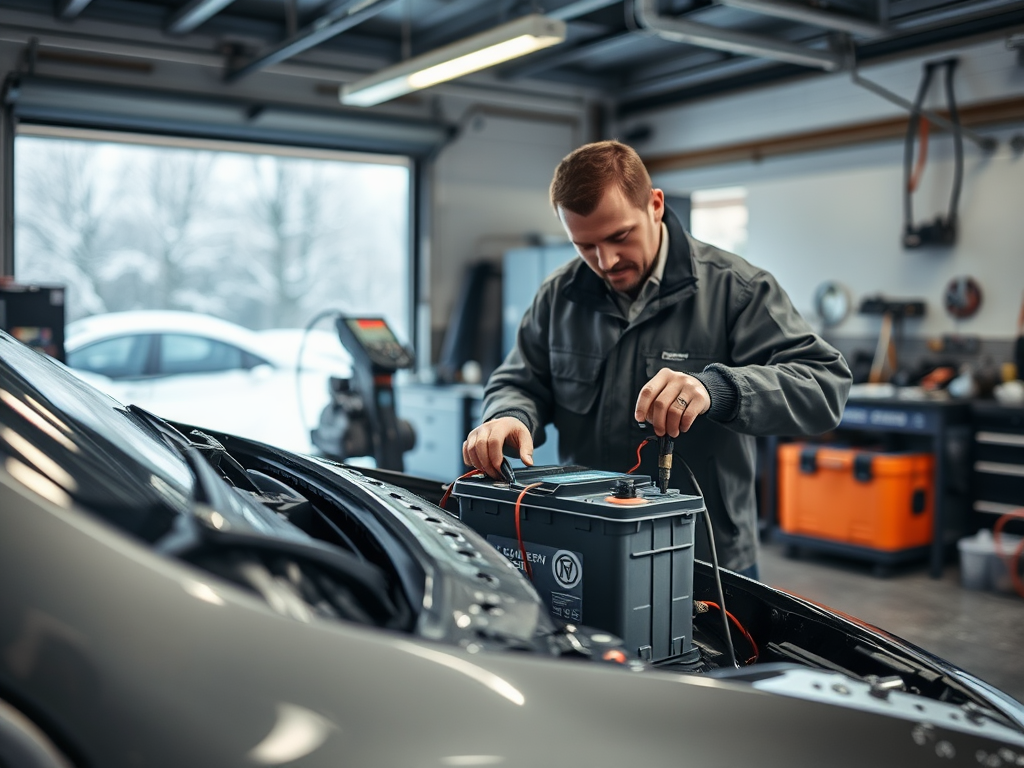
(661,329)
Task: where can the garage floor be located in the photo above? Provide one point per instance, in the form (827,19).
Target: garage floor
(982,632)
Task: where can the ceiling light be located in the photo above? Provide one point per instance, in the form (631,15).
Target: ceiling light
(508,41)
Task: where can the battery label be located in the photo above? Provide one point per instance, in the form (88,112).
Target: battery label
(557,574)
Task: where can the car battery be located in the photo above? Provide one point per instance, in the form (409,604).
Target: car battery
(873,500)
(605,549)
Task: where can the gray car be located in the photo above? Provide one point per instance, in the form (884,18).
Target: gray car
(175,597)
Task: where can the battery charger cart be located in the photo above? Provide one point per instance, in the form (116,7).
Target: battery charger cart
(360,420)
(603,549)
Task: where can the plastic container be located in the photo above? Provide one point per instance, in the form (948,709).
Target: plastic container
(872,500)
(624,565)
(981,567)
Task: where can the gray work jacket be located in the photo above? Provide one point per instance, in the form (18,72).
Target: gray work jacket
(579,363)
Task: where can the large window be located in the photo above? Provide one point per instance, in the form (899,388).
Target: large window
(719,217)
(228,235)
(263,237)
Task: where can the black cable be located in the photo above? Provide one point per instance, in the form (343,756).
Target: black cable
(908,148)
(298,359)
(714,566)
(958,144)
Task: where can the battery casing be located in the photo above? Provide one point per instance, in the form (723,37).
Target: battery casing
(621,565)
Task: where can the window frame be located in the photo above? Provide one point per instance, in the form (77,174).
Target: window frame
(418,203)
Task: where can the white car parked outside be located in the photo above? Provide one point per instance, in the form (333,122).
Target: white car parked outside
(199,369)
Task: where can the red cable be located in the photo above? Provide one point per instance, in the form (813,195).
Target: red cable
(519,532)
(922,155)
(448,490)
(1012,561)
(645,441)
(741,628)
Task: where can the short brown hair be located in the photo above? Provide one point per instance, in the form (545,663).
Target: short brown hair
(585,173)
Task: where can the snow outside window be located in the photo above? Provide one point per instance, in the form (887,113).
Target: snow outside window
(261,236)
(245,244)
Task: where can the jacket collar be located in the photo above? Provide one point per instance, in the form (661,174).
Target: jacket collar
(586,288)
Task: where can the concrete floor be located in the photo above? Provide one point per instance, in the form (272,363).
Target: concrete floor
(981,632)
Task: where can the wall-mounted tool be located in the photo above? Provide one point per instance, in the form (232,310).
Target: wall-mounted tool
(942,230)
(832,303)
(893,312)
(962,297)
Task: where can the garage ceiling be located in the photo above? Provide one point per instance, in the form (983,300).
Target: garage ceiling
(636,53)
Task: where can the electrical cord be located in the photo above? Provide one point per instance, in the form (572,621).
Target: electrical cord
(715,568)
(448,490)
(958,143)
(644,442)
(298,360)
(743,630)
(918,124)
(519,532)
(908,149)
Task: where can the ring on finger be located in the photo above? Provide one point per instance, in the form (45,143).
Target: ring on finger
(682,402)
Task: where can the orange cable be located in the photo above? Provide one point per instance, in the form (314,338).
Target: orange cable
(448,490)
(519,532)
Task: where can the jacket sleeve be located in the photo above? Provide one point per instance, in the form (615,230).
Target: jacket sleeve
(521,385)
(789,381)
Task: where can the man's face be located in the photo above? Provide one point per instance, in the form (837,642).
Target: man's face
(617,240)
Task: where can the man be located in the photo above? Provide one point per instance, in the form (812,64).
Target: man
(654,326)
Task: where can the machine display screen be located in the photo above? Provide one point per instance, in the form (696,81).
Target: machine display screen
(371,332)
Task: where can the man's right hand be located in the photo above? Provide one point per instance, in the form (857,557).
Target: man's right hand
(484,448)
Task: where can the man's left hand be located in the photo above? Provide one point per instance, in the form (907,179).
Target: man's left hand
(671,401)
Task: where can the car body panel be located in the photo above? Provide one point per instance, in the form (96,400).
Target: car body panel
(124,655)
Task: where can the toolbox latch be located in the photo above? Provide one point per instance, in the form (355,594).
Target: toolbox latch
(862,467)
(809,460)
(919,501)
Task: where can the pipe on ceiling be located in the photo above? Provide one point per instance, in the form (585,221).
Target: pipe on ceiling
(705,36)
(806,14)
(190,16)
(71,9)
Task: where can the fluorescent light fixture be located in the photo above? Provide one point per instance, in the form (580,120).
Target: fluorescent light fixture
(508,41)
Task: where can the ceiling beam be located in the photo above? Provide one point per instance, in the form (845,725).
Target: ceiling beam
(192,14)
(563,56)
(69,9)
(577,8)
(331,24)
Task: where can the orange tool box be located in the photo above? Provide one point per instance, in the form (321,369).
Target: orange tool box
(878,501)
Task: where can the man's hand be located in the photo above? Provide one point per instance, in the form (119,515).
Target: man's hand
(484,447)
(671,401)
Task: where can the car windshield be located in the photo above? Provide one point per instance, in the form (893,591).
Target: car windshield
(87,445)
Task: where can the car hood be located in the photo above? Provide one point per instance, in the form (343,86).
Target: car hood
(126,652)
(130,658)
